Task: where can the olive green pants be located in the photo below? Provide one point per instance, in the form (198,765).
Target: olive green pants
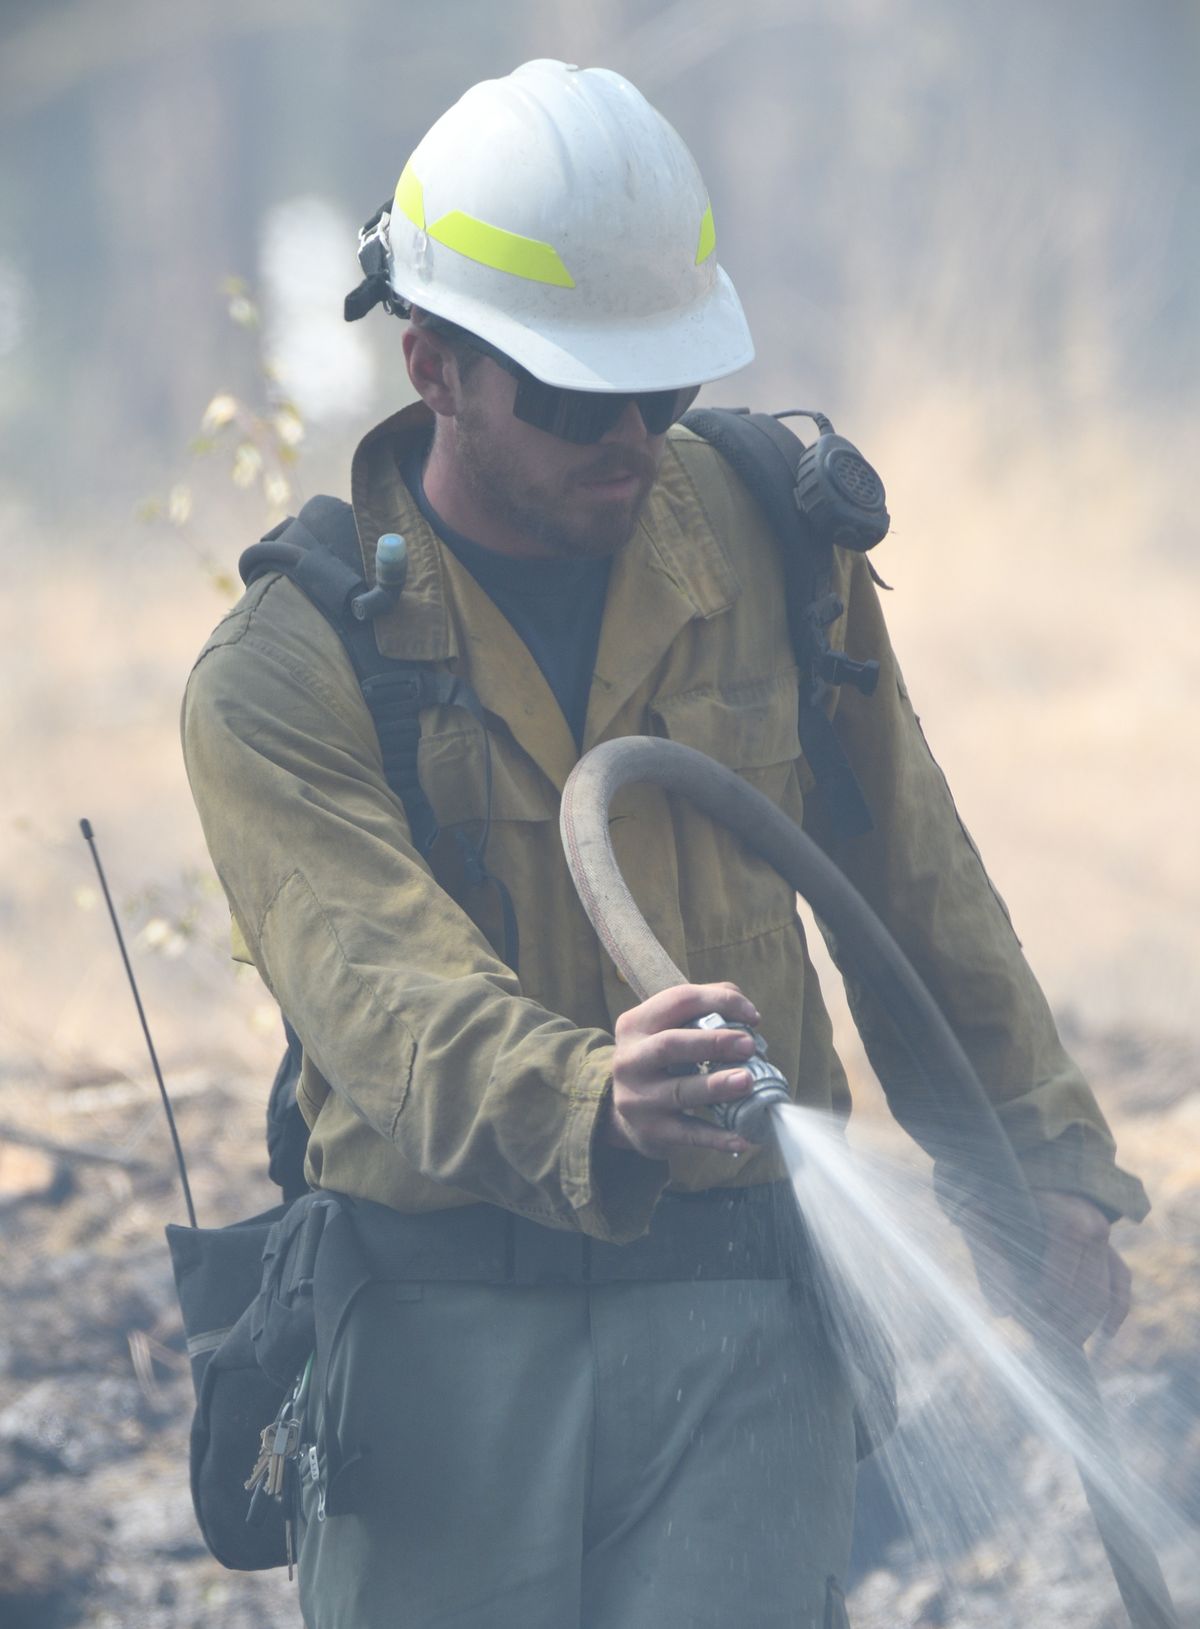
(611,1456)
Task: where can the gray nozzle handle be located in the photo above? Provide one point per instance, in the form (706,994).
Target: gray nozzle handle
(749,1116)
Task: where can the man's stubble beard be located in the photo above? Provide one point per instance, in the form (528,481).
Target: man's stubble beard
(553,516)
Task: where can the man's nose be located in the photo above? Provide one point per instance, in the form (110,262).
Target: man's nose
(629,430)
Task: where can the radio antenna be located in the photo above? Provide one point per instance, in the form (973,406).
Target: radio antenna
(85,827)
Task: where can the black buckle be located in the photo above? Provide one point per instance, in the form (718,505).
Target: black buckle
(375,289)
(407,689)
(838,668)
(372,246)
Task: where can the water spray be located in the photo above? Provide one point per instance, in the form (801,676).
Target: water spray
(942,1105)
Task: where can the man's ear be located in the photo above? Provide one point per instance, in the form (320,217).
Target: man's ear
(433,371)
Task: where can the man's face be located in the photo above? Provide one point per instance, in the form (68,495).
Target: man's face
(565,500)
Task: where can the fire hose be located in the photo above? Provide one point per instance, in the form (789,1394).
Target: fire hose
(941,1102)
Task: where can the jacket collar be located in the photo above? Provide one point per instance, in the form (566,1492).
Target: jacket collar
(420,628)
(671,572)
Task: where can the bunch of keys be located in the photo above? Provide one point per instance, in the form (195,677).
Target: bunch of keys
(276,1468)
(278,1442)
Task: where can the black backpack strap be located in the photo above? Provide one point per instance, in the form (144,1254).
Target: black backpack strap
(319,552)
(287,1134)
(765,456)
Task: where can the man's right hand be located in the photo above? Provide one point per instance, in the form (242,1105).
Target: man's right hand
(652,1109)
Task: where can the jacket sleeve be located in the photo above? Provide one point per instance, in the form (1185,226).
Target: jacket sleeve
(398,998)
(921,872)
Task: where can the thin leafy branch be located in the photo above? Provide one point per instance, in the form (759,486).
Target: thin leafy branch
(259,444)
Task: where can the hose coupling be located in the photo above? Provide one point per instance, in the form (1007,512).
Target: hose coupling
(750,1115)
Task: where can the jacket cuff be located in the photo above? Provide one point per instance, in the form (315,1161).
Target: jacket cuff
(612,1191)
(1080,1162)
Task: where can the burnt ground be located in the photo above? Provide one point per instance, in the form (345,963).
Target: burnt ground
(96,1526)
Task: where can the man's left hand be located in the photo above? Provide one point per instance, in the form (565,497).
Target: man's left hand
(1081,1284)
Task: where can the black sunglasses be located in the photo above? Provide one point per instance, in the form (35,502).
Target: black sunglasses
(582,416)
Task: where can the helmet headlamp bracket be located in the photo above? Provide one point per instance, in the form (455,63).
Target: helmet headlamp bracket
(375,288)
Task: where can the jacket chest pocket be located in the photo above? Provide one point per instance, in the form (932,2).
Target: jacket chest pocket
(455,764)
(727,894)
(516,819)
(752,728)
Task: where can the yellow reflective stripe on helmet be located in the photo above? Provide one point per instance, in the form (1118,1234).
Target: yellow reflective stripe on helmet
(708,237)
(503,251)
(410,198)
(489,245)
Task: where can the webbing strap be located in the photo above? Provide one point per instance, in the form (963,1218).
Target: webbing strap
(319,552)
(764,453)
(396,697)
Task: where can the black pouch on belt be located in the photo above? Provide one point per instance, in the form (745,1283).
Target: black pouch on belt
(246,1296)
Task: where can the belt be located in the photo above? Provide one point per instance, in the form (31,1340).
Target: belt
(752,1232)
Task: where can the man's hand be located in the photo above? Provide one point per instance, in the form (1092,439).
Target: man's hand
(1081,1284)
(652,1107)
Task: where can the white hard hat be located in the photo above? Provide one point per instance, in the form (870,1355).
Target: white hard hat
(558,216)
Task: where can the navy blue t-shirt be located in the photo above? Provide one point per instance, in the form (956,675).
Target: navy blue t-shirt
(555,605)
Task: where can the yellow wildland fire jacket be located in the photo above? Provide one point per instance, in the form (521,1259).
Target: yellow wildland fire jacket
(436,1076)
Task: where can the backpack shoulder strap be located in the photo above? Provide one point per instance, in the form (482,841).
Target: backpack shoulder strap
(768,459)
(764,454)
(318,550)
